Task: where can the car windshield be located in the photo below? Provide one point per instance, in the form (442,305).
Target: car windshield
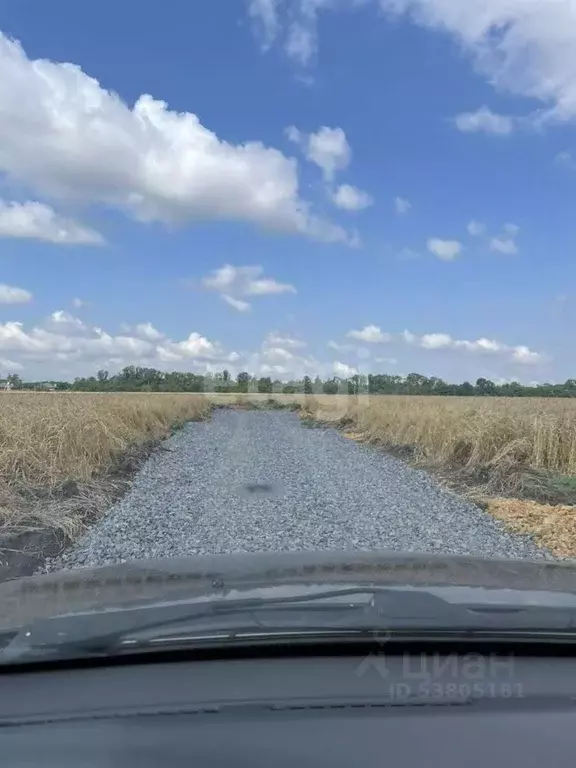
(287,304)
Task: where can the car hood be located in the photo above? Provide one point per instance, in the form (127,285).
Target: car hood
(165,580)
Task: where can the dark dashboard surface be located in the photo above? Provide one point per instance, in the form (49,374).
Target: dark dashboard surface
(361,711)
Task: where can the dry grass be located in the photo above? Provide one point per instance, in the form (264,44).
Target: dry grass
(464,432)
(56,448)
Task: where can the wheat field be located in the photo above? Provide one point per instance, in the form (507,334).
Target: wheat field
(539,433)
(48,440)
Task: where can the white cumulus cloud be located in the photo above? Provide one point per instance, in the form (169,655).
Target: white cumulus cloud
(63,321)
(147,331)
(328,148)
(503,245)
(195,346)
(483,346)
(525,47)
(65,136)
(63,341)
(435,341)
(280,356)
(371,334)
(351,198)
(525,355)
(343,370)
(447,250)
(11,295)
(232,283)
(36,221)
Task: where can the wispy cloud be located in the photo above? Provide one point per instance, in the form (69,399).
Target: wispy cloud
(476,228)
(402,205)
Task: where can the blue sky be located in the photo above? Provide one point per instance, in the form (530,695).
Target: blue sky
(288,187)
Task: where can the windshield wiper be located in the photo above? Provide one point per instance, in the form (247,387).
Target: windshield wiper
(99,632)
(352,612)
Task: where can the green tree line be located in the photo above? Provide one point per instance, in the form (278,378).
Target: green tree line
(140,379)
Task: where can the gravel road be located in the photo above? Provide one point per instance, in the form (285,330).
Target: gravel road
(249,481)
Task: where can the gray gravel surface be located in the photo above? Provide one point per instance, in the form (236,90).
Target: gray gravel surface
(250,481)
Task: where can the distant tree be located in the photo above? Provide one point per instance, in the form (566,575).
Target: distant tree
(242,381)
(511,389)
(15,381)
(330,387)
(102,375)
(128,373)
(485,387)
(417,384)
(466,389)
(308,388)
(385,384)
(435,386)
(265,385)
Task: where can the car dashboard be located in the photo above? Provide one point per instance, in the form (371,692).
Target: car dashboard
(362,710)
